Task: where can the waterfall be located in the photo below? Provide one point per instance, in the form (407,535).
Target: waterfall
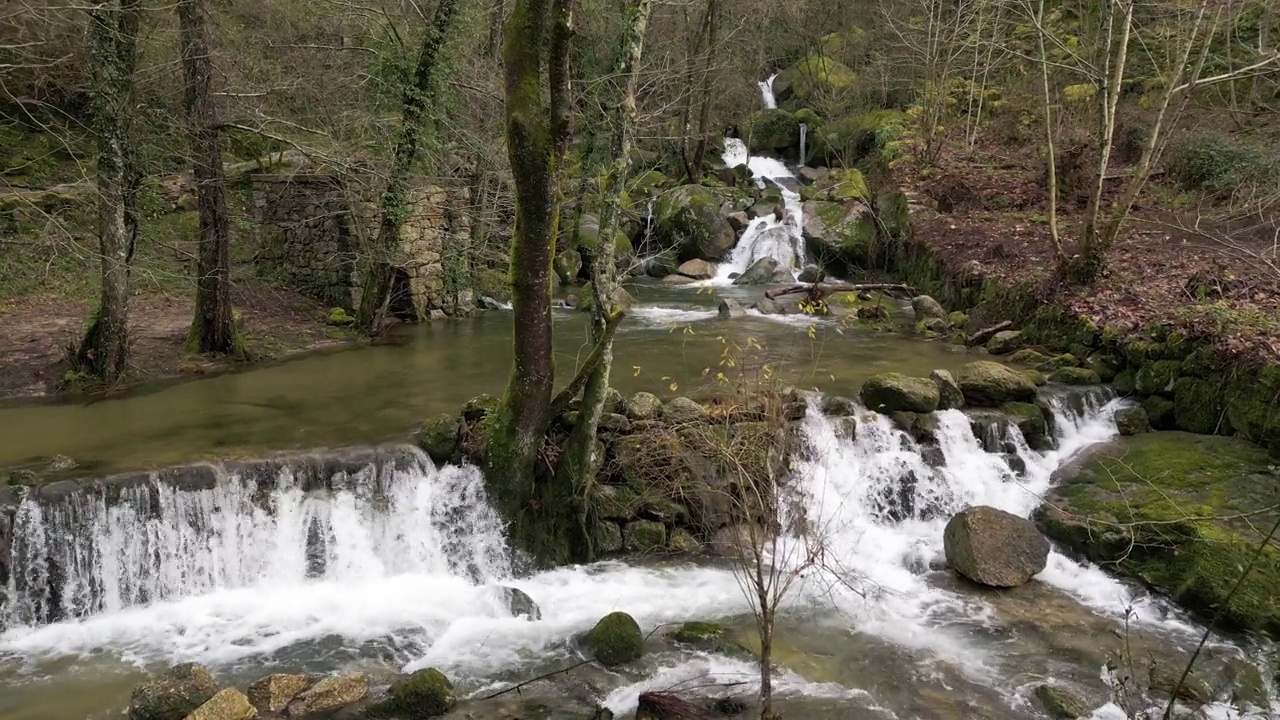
(766,92)
(804,138)
(782,239)
(89,553)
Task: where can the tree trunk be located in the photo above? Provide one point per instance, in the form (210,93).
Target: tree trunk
(213,328)
(704,111)
(418,97)
(1050,151)
(113,33)
(537,135)
(1117,55)
(581,460)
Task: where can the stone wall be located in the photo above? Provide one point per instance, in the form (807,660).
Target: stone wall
(314,231)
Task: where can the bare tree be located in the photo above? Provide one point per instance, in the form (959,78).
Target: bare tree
(113,50)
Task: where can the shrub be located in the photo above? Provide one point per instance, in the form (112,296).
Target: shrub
(1221,165)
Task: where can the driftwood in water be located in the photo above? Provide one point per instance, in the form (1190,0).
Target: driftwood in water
(666,706)
(821,291)
(982,336)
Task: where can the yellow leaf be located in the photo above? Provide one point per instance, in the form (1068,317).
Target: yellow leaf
(674,387)
(636,368)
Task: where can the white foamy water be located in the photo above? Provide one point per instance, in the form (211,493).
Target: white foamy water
(654,315)
(766,92)
(781,239)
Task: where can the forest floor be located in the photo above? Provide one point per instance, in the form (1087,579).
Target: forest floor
(1161,271)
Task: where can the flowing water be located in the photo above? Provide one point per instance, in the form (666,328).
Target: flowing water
(779,238)
(399,566)
(766,93)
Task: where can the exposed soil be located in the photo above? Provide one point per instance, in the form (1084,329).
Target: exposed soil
(1159,272)
(35,336)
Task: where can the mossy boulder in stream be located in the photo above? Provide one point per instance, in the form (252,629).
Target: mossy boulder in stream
(771,129)
(173,695)
(425,694)
(689,218)
(1061,702)
(228,704)
(1253,406)
(1075,376)
(616,640)
(894,392)
(702,635)
(1184,514)
(990,384)
(438,437)
(994,548)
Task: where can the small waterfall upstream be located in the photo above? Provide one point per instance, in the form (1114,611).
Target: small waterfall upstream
(781,239)
(766,92)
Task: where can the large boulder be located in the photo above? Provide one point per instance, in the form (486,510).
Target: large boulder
(1062,703)
(994,548)
(691,220)
(697,269)
(330,694)
(662,264)
(1004,342)
(1164,509)
(770,130)
(950,396)
(438,437)
(681,410)
(926,308)
(841,237)
(616,640)
(271,694)
(990,384)
(894,392)
(644,536)
(173,695)
(730,309)
(643,406)
(518,603)
(229,704)
(760,273)
(425,694)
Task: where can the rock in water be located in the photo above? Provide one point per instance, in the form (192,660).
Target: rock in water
(730,309)
(330,694)
(616,640)
(174,695)
(1132,421)
(895,392)
(994,548)
(1004,342)
(519,603)
(990,384)
(1061,703)
(1075,376)
(678,279)
(697,269)
(767,306)
(926,308)
(949,395)
(272,694)
(438,437)
(810,274)
(425,694)
(230,704)
(760,273)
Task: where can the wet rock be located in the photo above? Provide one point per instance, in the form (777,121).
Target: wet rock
(689,218)
(425,694)
(1161,412)
(846,427)
(678,280)
(697,269)
(518,603)
(949,395)
(706,636)
(61,463)
(760,273)
(1035,377)
(609,538)
(484,302)
(897,502)
(922,427)
(811,274)
(1030,420)
(682,542)
(1061,702)
(174,695)
(835,405)
(767,306)
(926,307)
(680,410)
(643,406)
(957,319)
(1132,421)
(895,392)
(1105,365)
(1004,342)
(730,309)
(989,384)
(1075,376)
(1165,677)
(644,536)
(738,221)
(994,548)
(770,129)
(229,704)
(438,437)
(272,694)
(1016,464)
(933,456)
(330,694)
(616,640)
(662,264)
(479,406)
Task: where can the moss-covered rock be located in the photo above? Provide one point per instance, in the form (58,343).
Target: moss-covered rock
(895,392)
(1075,376)
(682,410)
(1004,342)
(957,320)
(567,265)
(1158,377)
(1132,421)
(622,298)
(478,407)
(989,384)
(1167,509)
(994,548)
(847,184)
(173,695)
(643,406)
(813,80)
(949,395)
(1199,406)
(690,219)
(1061,702)
(1030,419)
(771,129)
(425,694)
(1253,405)
(616,640)
(701,635)
(681,541)
(228,704)
(1035,377)
(1161,412)
(1106,366)
(1126,382)
(644,536)
(1029,357)
(840,238)
(438,437)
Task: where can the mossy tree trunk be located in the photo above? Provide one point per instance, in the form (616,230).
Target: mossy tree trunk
(419,95)
(536,55)
(213,329)
(113,54)
(581,460)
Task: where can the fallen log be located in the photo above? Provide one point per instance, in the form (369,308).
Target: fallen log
(667,706)
(982,336)
(821,291)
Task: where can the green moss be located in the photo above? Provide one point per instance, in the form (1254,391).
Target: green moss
(1075,376)
(957,319)
(848,184)
(1253,405)
(1028,417)
(1166,508)
(340,317)
(894,392)
(818,78)
(1161,412)
(1036,377)
(771,129)
(616,640)
(1158,377)
(438,437)
(425,694)
(1199,406)
(1126,382)
(699,634)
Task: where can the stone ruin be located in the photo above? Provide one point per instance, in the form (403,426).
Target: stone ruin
(314,231)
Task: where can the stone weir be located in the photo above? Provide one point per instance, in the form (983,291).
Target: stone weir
(75,548)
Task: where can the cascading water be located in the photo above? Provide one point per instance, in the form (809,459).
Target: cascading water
(804,144)
(779,238)
(766,92)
